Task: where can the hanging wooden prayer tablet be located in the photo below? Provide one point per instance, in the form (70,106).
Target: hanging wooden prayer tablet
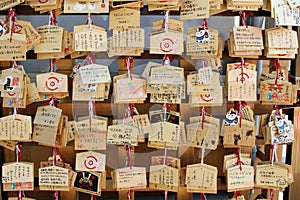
(46,6)
(133,38)
(124,18)
(18,176)
(14,48)
(163,177)
(87,92)
(271,176)
(240,178)
(12,83)
(122,51)
(90,38)
(94,73)
(233,162)
(90,134)
(202,41)
(58,163)
(206,137)
(236,136)
(46,125)
(88,182)
(272,93)
(201,178)
(245,41)
(204,87)
(194,9)
(280,43)
(47,115)
(279,129)
(54,178)
(129,178)
(238,65)
(165,83)
(16,127)
(32,94)
(238,132)
(162,42)
(169,145)
(129,89)
(122,135)
(165,127)
(242,85)
(90,161)
(51,39)
(52,83)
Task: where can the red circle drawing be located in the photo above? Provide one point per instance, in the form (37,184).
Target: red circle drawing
(207,97)
(90,162)
(167,45)
(52,83)
(242,77)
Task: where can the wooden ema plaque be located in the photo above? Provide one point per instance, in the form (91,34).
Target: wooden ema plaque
(18,176)
(162,42)
(240,178)
(54,178)
(163,177)
(15,50)
(207,137)
(52,83)
(236,136)
(242,85)
(129,178)
(89,137)
(122,135)
(195,9)
(90,161)
(88,182)
(271,176)
(201,178)
(16,127)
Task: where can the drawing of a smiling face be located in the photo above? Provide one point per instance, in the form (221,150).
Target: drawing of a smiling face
(282,125)
(202,35)
(232,118)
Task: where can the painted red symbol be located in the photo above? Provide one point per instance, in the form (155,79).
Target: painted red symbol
(52,83)
(91,162)
(207,97)
(167,45)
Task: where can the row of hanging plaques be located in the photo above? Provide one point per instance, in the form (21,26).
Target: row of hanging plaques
(165,84)
(284,12)
(166,37)
(90,175)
